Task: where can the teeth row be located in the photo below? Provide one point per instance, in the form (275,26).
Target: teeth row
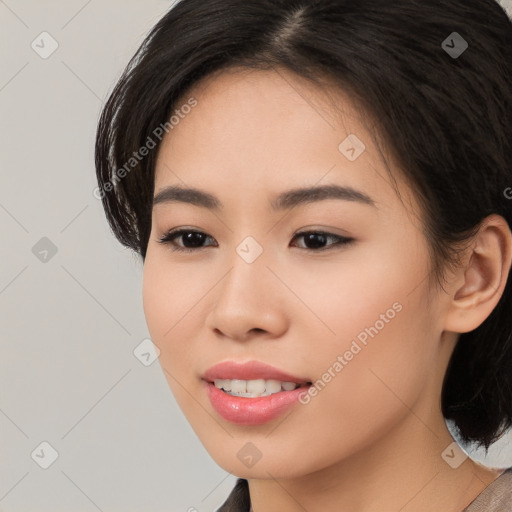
(253,388)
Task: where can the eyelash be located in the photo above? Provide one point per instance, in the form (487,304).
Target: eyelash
(168,239)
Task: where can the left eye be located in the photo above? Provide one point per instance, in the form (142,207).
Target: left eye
(314,240)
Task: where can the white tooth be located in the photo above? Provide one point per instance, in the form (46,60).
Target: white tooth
(273,386)
(253,388)
(219,383)
(238,386)
(256,386)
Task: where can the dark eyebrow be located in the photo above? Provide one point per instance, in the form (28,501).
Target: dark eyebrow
(176,193)
(298,196)
(285,200)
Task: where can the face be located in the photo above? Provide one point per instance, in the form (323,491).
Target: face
(330,291)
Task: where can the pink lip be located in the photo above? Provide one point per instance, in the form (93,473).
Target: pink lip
(250,411)
(250,370)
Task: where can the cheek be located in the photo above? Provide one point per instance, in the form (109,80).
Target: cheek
(382,352)
(171,319)
(389,345)
(154,297)
(385,367)
(385,359)
(168,300)
(168,292)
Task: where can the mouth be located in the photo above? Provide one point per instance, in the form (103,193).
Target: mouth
(256,388)
(252,392)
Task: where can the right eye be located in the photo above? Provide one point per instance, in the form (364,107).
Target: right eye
(194,240)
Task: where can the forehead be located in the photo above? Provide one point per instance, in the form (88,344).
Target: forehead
(253,130)
(241,101)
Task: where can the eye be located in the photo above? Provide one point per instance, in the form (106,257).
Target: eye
(315,240)
(193,240)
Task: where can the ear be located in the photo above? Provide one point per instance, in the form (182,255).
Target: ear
(478,285)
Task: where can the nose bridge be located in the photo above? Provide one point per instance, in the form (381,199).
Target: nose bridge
(243,300)
(247,274)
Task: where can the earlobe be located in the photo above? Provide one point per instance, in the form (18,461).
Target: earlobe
(484,276)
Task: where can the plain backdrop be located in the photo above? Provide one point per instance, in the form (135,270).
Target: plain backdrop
(70,296)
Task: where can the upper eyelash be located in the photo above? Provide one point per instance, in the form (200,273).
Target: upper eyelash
(169,237)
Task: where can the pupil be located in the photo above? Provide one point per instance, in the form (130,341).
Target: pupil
(312,236)
(194,237)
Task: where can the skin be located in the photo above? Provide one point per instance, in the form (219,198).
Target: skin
(372,439)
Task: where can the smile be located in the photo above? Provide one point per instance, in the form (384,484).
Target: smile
(251,392)
(254,388)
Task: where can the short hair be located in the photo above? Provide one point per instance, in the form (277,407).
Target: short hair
(443,109)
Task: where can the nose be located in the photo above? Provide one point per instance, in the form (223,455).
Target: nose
(248,302)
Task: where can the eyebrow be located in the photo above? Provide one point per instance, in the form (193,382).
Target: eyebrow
(284,201)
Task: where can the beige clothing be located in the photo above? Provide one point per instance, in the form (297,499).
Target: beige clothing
(496,497)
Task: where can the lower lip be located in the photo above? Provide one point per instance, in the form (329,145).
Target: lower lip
(252,411)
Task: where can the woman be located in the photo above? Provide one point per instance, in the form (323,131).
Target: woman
(320,191)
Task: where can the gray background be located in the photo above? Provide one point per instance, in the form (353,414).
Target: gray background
(69,324)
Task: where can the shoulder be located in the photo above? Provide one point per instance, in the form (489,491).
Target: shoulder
(496,497)
(238,500)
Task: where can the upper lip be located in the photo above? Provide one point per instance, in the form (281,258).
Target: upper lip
(249,370)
